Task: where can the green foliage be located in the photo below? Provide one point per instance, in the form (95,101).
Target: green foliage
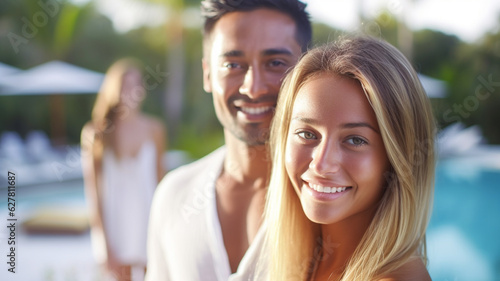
(387,27)
(199,144)
(65,28)
(323,33)
(475,86)
(434,50)
(177,4)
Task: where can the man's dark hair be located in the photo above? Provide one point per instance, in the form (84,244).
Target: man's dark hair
(213,10)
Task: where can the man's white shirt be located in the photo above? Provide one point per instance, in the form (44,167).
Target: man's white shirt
(185,240)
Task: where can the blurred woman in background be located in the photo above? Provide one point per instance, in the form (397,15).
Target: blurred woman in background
(122,151)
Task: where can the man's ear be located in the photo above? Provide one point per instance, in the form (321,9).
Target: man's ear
(207,85)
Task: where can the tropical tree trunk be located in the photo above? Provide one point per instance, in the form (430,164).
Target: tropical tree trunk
(173,101)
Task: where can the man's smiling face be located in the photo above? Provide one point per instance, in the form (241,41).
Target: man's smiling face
(249,55)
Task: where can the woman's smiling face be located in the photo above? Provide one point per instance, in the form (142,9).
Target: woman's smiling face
(335,156)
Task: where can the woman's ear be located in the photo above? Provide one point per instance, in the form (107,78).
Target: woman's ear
(207,85)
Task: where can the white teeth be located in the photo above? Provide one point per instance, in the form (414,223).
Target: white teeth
(327,189)
(256,110)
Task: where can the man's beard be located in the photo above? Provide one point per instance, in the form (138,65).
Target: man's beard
(251,135)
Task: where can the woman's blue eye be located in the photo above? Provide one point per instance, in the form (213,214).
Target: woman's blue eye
(307,135)
(357,141)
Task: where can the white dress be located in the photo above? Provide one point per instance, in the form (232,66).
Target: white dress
(127,190)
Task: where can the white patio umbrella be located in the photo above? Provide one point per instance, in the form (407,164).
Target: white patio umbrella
(6,70)
(55,77)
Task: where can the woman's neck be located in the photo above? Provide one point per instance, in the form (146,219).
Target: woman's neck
(338,244)
(130,114)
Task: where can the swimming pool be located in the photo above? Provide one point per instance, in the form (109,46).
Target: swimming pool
(463,236)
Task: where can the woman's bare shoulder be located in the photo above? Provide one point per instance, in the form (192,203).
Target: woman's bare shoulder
(88,131)
(87,138)
(88,127)
(413,270)
(157,127)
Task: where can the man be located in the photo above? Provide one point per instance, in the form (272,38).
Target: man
(206,216)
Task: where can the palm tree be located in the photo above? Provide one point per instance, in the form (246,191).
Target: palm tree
(174,91)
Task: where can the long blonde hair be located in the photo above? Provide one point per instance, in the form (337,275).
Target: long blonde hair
(406,123)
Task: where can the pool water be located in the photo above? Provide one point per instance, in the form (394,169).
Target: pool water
(463,238)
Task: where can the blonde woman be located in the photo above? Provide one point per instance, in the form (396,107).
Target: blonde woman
(122,152)
(353,168)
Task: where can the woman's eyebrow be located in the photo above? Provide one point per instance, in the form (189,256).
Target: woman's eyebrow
(351,125)
(359,124)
